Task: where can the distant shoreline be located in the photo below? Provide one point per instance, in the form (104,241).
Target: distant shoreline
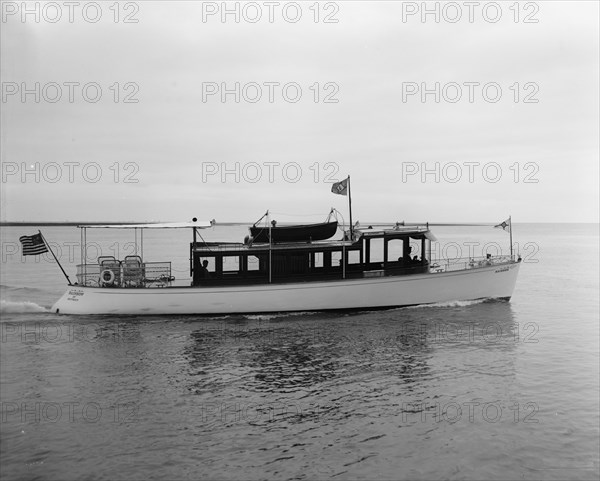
(75,224)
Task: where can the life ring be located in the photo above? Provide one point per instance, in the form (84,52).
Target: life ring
(107,280)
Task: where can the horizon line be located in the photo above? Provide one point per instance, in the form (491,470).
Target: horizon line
(440,224)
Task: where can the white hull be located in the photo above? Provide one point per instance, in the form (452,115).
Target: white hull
(497,281)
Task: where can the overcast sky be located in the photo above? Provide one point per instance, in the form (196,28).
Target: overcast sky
(509,124)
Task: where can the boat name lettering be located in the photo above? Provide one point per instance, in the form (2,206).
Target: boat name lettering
(74,294)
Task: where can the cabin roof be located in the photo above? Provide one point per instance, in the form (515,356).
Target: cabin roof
(280,246)
(156,225)
(401,233)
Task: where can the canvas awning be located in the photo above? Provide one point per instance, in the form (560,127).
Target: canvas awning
(157,225)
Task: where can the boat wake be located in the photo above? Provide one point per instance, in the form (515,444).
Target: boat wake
(20,307)
(450,304)
(268,317)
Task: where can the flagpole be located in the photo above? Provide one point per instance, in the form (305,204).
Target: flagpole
(510,232)
(350,208)
(52,252)
(270,247)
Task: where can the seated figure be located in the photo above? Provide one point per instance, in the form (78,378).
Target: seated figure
(204,273)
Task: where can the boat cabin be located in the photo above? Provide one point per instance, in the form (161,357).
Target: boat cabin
(371,253)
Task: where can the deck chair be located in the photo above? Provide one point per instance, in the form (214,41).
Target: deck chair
(133,271)
(110,271)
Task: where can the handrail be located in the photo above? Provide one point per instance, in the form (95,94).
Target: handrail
(148,274)
(464,263)
(250,249)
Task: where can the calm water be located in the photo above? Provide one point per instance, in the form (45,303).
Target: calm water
(471,390)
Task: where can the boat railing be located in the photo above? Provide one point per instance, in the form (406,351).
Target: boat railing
(209,248)
(127,273)
(464,263)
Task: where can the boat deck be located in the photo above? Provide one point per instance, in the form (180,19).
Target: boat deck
(158,274)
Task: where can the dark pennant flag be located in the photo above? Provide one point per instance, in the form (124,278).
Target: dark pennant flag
(340,188)
(506,225)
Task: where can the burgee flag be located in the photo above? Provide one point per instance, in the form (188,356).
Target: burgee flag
(341,187)
(33,245)
(505,225)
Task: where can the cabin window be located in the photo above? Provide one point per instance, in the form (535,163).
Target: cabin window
(416,249)
(253,264)
(336,259)
(376,254)
(231,263)
(210,266)
(318,260)
(353,257)
(202,273)
(395,250)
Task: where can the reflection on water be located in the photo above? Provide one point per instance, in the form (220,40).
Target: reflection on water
(299,353)
(293,364)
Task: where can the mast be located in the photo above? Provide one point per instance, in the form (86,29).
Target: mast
(510,232)
(343,259)
(350,209)
(192,248)
(81,250)
(84,256)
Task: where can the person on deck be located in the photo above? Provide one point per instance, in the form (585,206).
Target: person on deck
(204,270)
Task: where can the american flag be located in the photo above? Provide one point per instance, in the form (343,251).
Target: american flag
(33,245)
